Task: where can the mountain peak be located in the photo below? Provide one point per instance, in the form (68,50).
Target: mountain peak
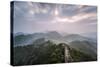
(18,33)
(53,32)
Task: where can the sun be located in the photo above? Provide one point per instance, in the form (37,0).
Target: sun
(56,12)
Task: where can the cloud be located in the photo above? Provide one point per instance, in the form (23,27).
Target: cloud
(75,18)
(31,17)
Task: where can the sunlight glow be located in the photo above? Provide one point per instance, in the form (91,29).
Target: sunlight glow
(56,12)
(73,19)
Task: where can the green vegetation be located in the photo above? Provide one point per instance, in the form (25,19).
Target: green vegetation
(78,56)
(44,53)
(47,52)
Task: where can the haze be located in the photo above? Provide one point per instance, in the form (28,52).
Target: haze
(32,17)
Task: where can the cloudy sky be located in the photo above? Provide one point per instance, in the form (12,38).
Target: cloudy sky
(32,17)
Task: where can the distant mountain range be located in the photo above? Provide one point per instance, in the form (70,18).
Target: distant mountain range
(21,39)
(92,35)
(17,34)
